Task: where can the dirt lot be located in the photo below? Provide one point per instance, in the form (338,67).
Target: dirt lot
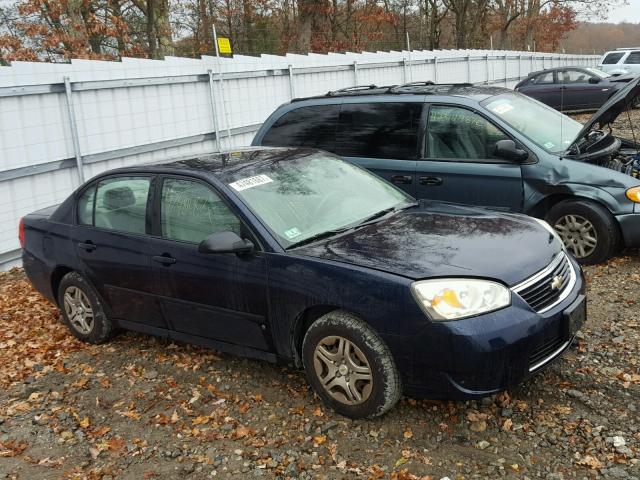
(140,407)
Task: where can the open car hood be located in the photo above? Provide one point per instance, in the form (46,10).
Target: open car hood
(608,113)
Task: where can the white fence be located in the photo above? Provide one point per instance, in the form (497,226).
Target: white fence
(62,123)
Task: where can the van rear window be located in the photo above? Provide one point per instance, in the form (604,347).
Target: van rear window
(612,58)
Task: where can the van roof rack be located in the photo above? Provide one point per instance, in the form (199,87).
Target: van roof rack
(416,88)
(628,48)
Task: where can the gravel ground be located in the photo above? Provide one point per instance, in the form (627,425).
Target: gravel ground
(140,407)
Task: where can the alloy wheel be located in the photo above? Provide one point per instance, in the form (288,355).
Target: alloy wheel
(78,309)
(343,370)
(578,234)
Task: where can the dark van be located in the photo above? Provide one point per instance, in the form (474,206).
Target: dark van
(483,146)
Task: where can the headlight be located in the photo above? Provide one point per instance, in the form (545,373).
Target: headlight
(454,298)
(633,194)
(549,229)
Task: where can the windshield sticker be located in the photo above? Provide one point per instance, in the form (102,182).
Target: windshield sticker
(502,108)
(549,145)
(250,182)
(292,233)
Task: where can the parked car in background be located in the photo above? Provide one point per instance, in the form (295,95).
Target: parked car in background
(572,88)
(256,252)
(484,146)
(622,61)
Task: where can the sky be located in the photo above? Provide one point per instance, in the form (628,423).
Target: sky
(629,13)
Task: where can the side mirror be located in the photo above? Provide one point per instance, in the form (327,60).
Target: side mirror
(507,149)
(594,80)
(225,242)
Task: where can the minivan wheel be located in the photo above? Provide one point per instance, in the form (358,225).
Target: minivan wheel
(587,229)
(82,310)
(350,367)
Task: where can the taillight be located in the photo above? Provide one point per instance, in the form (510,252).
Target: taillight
(21,232)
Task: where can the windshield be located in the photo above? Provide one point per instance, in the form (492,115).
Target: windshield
(304,196)
(543,125)
(598,72)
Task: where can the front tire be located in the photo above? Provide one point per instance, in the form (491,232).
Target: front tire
(587,229)
(350,367)
(82,310)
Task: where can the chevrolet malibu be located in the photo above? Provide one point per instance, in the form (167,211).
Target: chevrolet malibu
(295,255)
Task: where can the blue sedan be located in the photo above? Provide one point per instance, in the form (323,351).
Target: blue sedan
(295,255)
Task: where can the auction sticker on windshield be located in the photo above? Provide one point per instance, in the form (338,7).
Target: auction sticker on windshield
(250,182)
(502,108)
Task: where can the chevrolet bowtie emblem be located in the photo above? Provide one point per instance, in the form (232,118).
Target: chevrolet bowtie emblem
(556,283)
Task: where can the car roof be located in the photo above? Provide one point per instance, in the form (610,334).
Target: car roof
(467,90)
(555,69)
(221,164)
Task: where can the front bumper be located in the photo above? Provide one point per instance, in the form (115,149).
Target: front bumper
(483,355)
(630,228)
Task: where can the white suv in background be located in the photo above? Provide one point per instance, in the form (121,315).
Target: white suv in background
(622,61)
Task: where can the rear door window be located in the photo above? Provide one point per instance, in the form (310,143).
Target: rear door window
(121,204)
(311,127)
(612,58)
(379,130)
(634,57)
(543,79)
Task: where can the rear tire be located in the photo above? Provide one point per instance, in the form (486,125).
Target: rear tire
(350,367)
(82,310)
(587,229)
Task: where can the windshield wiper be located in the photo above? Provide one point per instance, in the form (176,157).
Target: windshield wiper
(383,213)
(361,223)
(319,236)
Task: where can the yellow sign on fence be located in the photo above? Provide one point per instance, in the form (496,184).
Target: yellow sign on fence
(224,47)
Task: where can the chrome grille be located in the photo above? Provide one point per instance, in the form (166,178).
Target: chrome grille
(548,287)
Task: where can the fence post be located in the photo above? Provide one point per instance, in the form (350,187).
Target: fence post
(355,73)
(292,89)
(404,71)
(435,70)
(74,128)
(531,67)
(506,70)
(519,66)
(486,64)
(468,68)
(212,102)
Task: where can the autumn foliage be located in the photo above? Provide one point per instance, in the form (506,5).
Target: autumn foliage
(57,30)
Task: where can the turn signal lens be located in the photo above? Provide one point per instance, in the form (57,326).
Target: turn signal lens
(633,194)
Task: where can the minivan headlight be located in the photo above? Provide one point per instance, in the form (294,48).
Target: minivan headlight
(455,298)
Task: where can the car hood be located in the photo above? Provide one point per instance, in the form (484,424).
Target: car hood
(608,113)
(621,78)
(439,239)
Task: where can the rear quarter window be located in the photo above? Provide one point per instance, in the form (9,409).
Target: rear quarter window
(612,58)
(634,58)
(312,127)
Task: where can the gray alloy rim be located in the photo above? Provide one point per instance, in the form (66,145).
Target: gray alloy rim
(578,234)
(78,310)
(343,370)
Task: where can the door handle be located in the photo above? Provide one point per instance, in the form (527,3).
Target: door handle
(164,259)
(89,246)
(431,181)
(402,179)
